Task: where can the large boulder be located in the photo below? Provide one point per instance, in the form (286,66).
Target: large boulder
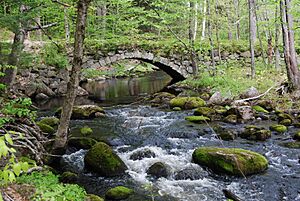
(187,102)
(231,161)
(118,193)
(84,112)
(103,160)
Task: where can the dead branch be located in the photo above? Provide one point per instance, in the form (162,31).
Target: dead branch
(253,98)
(61,3)
(41,27)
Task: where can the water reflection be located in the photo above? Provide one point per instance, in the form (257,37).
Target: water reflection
(125,90)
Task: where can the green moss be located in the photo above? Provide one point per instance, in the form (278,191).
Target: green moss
(176,109)
(286,122)
(230,160)
(204,111)
(45,128)
(278,128)
(118,193)
(291,145)
(85,131)
(187,102)
(103,160)
(51,121)
(83,111)
(68,177)
(82,142)
(231,119)
(197,119)
(258,108)
(92,197)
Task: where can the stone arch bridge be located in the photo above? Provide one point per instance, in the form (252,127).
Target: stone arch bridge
(178,67)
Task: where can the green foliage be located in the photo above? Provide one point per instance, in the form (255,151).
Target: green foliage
(48,187)
(233,78)
(13,168)
(52,56)
(18,108)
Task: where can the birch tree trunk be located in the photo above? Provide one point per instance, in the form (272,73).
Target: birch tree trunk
(67,27)
(203,21)
(252,34)
(210,37)
(62,132)
(277,33)
(237,13)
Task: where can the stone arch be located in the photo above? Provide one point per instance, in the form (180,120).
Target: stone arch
(178,70)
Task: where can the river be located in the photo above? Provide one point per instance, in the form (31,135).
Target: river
(135,128)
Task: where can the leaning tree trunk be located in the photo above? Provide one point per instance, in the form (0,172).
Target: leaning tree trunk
(252,31)
(289,45)
(62,132)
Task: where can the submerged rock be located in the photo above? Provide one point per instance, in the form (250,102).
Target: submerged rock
(84,111)
(187,102)
(103,160)
(158,170)
(252,132)
(278,128)
(197,119)
(118,193)
(231,161)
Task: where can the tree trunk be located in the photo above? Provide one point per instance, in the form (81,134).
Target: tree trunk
(192,35)
(203,21)
(252,36)
(210,38)
(62,132)
(101,12)
(289,46)
(277,33)
(237,13)
(67,27)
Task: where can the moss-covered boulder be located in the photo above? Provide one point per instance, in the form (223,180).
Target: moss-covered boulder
(286,122)
(85,131)
(82,142)
(231,161)
(281,116)
(161,98)
(291,145)
(220,109)
(51,121)
(258,108)
(197,119)
(45,128)
(187,102)
(85,112)
(278,128)
(266,104)
(252,132)
(118,193)
(297,136)
(103,160)
(204,111)
(176,109)
(232,119)
(92,197)
(68,177)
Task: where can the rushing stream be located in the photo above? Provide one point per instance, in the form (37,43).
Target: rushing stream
(131,129)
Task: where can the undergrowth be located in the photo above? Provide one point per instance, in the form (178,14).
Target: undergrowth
(48,187)
(232,79)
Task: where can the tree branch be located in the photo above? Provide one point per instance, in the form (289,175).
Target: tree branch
(41,27)
(61,3)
